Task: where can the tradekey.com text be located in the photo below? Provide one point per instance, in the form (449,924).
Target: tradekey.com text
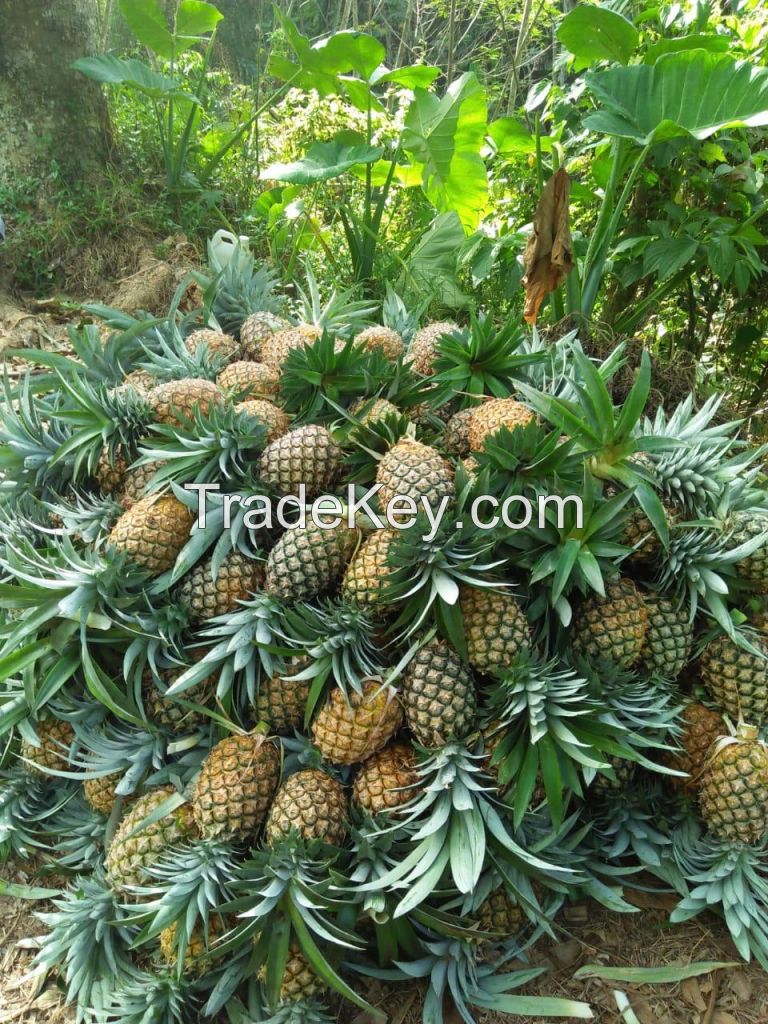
(329,511)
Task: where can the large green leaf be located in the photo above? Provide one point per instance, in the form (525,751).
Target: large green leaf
(690,93)
(147,22)
(433,266)
(413,76)
(446,136)
(512,138)
(715,44)
(134,73)
(597,33)
(196,18)
(323,161)
(349,51)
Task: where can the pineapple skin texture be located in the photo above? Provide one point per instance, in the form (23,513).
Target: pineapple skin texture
(669,638)
(733,793)
(153,532)
(365,578)
(136,481)
(486,419)
(272,416)
(424,346)
(245,379)
(385,339)
(347,732)
(218,343)
(307,455)
(495,628)
(417,471)
(754,569)
(307,561)
(736,679)
(311,803)
(236,783)
(56,737)
(281,700)
(131,853)
(500,913)
(702,727)
(176,401)
(257,329)
(386,780)
(613,627)
(238,577)
(439,695)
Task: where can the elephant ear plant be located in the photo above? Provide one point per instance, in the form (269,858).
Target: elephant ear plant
(439,146)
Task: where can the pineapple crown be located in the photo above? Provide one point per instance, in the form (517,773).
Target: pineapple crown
(85,516)
(101,362)
(217,444)
(78,831)
(237,288)
(625,829)
(525,460)
(482,359)
(90,936)
(170,359)
(32,442)
(319,378)
(550,730)
(340,313)
(396,315)
(162,997)
(25,801)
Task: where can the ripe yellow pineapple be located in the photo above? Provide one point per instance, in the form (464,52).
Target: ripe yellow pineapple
(216,342)
(386,780)
(733,787)
(133,849)
(307,455)
(140,380)
(257,329)
(365,578)
(197,955)
(613,627)
(414,470)
(299,980)
(307,561)
(384,338)
(136,483)
(424,346)
(176,401)
(56,738)
(236,783)
(246,379)
(153,532)
(495,628)
(110,471)
(277,347)
(271,415)
(369,412)
(486,419)
(456,436)
(311,804)
(99,792)
(349,729)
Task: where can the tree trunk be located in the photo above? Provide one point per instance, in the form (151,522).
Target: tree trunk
(49,112)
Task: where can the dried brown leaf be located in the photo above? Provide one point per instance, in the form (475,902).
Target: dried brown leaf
(548,255)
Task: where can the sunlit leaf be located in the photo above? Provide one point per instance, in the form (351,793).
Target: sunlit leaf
(594,33)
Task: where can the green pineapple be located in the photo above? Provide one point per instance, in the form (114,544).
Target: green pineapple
(308,561)
(134,849)
(439,695)
(613,627)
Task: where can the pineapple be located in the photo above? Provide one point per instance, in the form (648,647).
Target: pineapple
(701,728)
(311,804)
(99,792)
(153,532)
(416,471)
(456,436)
(307,455)
(207,596)
(258,329)
(166,711)
(282,699)
(364,581)
(299,984)
(369,412)
(495,628)
(216,342)
(733,787)
(136,481)
(669,637)
(274,419)
(424,346)
(244,379)
(176,401)
(613,627)
(753,569)
(132,852)
(387,341)
(500,913)
(197,957)
(277,347)
(350,728)
(110,471)
(307,561)
(736,678)
(439,695)
(492,416)
(56,739)
(141,380)
(236,783)
(386,780)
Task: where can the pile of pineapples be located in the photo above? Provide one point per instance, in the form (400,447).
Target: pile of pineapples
(276,762)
